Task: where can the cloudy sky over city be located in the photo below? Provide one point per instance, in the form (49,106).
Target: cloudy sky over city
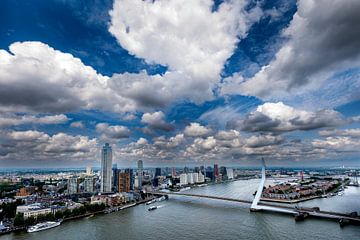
(176,82)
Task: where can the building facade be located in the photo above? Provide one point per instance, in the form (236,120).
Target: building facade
(140,174)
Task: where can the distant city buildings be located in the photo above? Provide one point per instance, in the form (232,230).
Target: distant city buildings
(191,178)
(106,161)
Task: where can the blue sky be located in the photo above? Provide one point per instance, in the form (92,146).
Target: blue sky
(179,82)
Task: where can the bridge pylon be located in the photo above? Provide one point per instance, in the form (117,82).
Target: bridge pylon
(255,206)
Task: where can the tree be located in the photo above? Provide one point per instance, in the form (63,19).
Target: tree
(30,221)
(59,215)
(19,220)
(50,217)
(67,213)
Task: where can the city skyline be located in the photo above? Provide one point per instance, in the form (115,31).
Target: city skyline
(179,83)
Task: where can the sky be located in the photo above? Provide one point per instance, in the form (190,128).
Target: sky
(178,82)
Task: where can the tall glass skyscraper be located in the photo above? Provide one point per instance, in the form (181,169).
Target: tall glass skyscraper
(106,161)
(140,174)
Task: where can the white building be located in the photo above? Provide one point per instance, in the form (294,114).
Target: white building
(230,173)
(201,178)
(190,178)
(32,210)
(195,177)
(106,162)
(183,179)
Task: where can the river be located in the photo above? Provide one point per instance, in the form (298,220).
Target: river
(191,218)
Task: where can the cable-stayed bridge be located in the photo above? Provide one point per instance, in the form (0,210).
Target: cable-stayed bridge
(256,205)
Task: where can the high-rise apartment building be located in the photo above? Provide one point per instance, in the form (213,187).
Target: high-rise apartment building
(106,161)
(132,178)
(72,185)
(124,182)
(88,184)
(115,177)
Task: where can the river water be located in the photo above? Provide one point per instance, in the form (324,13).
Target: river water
(191,218)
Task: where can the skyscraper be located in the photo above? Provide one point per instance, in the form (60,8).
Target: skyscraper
(132,179)
(106,161)
(140,173)
(115,176)
(157,172)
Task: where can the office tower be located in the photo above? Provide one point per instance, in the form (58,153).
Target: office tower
(115,176)
(186,169)
(124,182)
(89,184)
(209,173)
(88,170)
(72,185)
(132,179)
(230,173)
(196,169)
(157,172)
(140,174)
(106,161)
(173,172)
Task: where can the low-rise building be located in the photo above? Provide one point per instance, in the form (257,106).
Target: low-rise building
(32,210)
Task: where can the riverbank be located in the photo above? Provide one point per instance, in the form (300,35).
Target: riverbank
(105,211)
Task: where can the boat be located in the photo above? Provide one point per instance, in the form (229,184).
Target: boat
(161,199)
(43,226)
(151,202)
(152,208)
